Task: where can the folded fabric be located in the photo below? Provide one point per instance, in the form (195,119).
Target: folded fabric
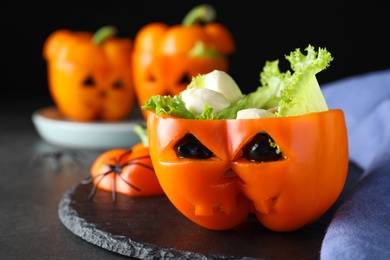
(362,98)
(360,228)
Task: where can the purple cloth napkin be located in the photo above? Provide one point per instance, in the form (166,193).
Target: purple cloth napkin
(360,228)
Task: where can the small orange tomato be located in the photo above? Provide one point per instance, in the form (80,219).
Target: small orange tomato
(290,170)
(125,171)
(90,75)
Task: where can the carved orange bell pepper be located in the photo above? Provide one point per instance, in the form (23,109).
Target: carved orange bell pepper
(165,58)
(90,75)
(214,170)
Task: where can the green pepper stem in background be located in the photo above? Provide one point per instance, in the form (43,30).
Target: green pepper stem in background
(202,13)
(142,133)
(103,33)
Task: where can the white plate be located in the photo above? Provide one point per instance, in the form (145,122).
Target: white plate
(56,129)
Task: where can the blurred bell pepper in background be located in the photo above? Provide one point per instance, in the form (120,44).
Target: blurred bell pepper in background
(165,58)
(90,75)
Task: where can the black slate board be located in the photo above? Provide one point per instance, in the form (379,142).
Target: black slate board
(151,228)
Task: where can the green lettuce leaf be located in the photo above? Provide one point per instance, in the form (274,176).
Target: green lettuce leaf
(266,96)
(172,106)
(197,81)
(292,93)
(302,93)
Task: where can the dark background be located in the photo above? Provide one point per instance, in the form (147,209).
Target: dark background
(357,36)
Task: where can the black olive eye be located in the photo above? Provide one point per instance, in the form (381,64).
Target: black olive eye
(117,84)
(89,82)
(185,80)
(190,147)
(261,150)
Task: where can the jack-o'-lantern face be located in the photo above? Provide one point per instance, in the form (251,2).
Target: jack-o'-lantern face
(166,58)
(288,170)
(88,81)
(169,75)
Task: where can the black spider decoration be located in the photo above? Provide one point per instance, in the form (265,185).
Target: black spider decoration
(117,169)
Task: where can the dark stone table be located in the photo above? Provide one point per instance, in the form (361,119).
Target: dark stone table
(44,214)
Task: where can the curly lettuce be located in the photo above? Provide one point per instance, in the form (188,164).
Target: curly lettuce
(289,93)
(174,106)
(302,93)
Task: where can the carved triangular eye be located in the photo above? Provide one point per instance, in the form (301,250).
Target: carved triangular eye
(261,148)
(150,77)
(89,82)
(190,147)
(185,80)
(117,84)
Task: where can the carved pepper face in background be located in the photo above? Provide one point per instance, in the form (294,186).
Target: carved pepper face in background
(166,57)
(288,171)
(90,76)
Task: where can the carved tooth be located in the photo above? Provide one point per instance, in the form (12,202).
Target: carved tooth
(266,205)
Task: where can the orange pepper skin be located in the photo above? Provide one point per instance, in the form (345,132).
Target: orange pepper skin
(133,165)
(219,192)
(89,81)
(162,61)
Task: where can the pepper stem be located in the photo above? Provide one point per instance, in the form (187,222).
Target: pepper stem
(142,133)
(103,34)
(202,13)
